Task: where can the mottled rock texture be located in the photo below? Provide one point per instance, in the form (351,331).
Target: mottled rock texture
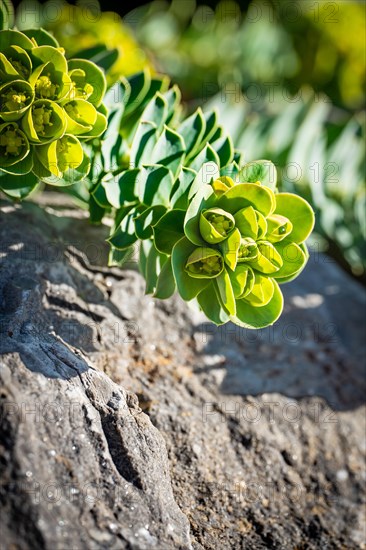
(134,424)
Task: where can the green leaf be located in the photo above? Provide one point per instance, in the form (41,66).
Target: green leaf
(48,80)
(50,54)
(230,248)
(219,133)
(246,222)
(74,175)
(248,194)
(192,130)
(100,196)
(79,192)
(248,250)
(204,198)
(156,111)
(225,293)
(14,38)
(278,227)
(59,156)
(81,116)
(300,214)
(173,97)
(262,290)
(169,150)
(18,186)
(112,141)
(119,257)
(211,119)
(188,287)
(165,284)
(238,156)
(7,70)
(268,260)
(93,76)
(140,84)
(6,14)
(105,58)
(100,54)
(154,185)
(124,236)
(225,150)
(260,170)
(262,225)
(88,53)
(207,172)
(222,184)
(112,190)
(206,155)
(210,305)
(132,118)
(180,191)
(144,249)
(15,63)
(249,316)
(148,218)
(40,170)
(42,37)
(117,95)
(232,170)
(294,260)
(121,189)
(158,83)
(242,280)
(143,144)
(96,212)
(99,127)
(22,167)
(154,264)
(169,230)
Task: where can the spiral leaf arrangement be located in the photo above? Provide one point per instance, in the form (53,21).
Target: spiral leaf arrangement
(232,248)
(212,228)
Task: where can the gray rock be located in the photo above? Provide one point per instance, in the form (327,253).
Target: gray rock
(130,423)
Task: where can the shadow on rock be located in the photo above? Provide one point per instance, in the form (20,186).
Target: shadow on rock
(29,321)
(317,348)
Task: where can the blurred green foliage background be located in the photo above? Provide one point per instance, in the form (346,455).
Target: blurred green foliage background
(288,79)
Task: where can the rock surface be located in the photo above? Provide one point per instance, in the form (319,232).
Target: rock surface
(132,424)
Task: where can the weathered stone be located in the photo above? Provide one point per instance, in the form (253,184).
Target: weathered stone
(236,439)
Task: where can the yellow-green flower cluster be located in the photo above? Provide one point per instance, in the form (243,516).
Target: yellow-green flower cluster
(47,105)
(237,243)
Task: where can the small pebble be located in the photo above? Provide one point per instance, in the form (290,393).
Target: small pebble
(342,475)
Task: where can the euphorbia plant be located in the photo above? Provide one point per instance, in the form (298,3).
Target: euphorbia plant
(232,248)
(47,105)
(207,225)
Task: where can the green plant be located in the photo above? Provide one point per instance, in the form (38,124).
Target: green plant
(171,185)
(205,225)
(47,106)
(232,247)
(318,151)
